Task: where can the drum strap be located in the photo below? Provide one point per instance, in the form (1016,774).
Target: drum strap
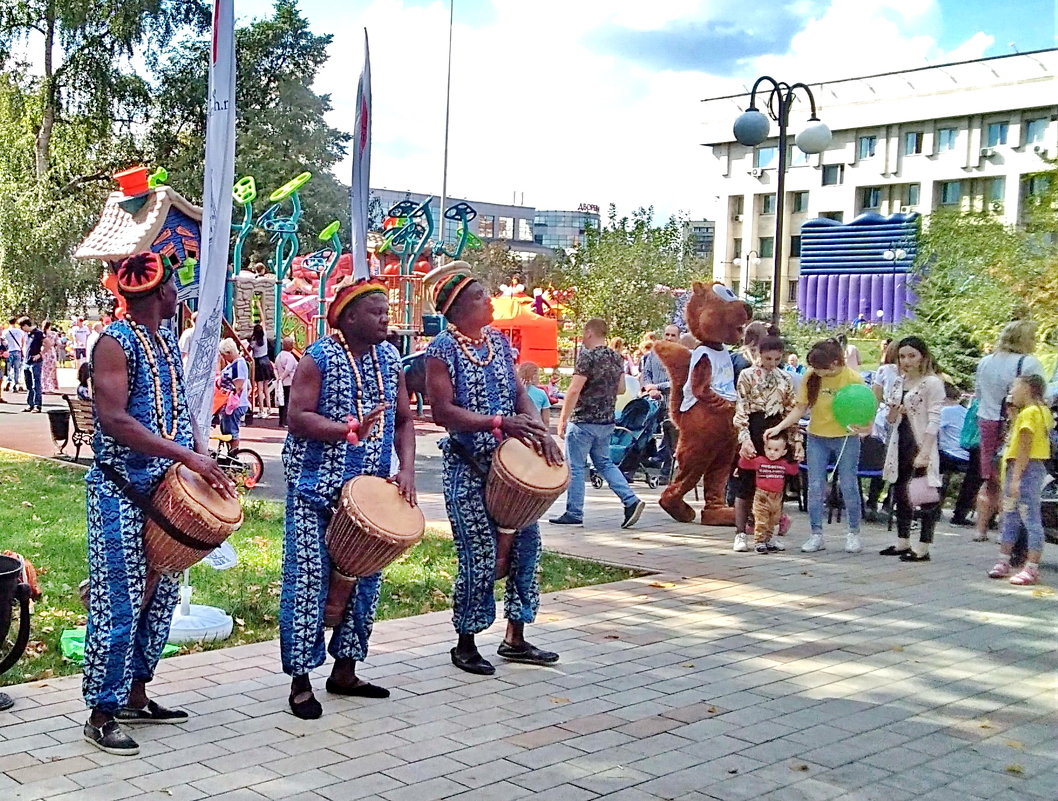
(143,503)
(461,451)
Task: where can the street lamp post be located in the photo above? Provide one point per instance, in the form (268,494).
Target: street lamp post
(752,127)
(894,255)
(752,257)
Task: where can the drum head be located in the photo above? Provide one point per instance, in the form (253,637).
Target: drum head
(378,503)
(529,468)
(198,491)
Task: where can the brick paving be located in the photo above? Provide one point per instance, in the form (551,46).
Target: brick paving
(719,676)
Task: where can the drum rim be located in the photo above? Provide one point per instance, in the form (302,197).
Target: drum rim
(504,472)
(394,537)
(174,484)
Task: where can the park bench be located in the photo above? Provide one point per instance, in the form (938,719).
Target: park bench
(83,420)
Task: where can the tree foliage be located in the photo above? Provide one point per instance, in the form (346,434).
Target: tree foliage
(618,272)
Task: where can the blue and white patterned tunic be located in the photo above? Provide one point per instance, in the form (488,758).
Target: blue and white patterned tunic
(316,472)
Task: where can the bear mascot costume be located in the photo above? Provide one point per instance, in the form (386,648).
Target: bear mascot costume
(703,403)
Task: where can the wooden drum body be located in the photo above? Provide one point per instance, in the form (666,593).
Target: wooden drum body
(372,527)
(521,486)
(205,516)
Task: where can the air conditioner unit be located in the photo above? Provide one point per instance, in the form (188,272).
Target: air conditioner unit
(906,209)
(997,205)
(739,217)
(1040,151)
(756,172)
(987,152)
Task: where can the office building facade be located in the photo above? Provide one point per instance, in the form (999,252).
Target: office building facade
(564,230)
(970,136)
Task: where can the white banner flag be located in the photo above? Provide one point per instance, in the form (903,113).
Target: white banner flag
(361,190)
(216,216)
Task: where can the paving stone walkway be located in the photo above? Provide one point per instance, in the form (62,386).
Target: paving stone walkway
(720,676)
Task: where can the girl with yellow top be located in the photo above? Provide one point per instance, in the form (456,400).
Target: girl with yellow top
(1027,450)
(828,441)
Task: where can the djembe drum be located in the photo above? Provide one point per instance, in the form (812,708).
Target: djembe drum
(521,486)
(372,526)
(202,517)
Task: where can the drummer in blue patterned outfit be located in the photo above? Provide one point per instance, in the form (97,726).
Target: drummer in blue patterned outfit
(347,408)
(475,394)
(143,427)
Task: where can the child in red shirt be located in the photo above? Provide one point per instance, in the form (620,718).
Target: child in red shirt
(772,469)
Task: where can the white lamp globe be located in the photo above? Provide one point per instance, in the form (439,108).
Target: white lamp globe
(814,138)
(751,128)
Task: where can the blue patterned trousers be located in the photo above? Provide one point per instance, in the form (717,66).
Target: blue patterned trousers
(474,533)
(125,638)
(306,581)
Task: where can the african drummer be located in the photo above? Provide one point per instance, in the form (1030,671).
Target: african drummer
(475,394)
(348,409)
(143,428)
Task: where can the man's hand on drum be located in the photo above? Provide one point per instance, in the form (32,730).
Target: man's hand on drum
(549,450)
(209,470)
(534,434)
(405,481)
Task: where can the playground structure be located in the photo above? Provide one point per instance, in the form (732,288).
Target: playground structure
(863,268)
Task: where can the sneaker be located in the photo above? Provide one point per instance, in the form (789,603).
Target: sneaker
(813,544)
(740,545)
(111,738)
(1028,575)
(632,513)
(1000,570)
(761,547)
(566,519)
(852,543)
(775,545)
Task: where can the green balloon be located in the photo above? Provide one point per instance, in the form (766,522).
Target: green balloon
(854,405)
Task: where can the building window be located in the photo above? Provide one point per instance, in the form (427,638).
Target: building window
(836,216)
(505,228)
(866,147)
(833,174)
(1036,185)
(767,204)
(735,287)
(767,247)
(996,189)
(798,158)
(950,193)
(486,226)
(525,230)
(997,133)
(946,139)
(795,247)
(913,142)
(1035,130)
(911,194)
(736,248)
(737,205)
(793,291)
(800,202)
(871,197)
(765,157)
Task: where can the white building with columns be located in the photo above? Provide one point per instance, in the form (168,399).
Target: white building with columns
(969,135)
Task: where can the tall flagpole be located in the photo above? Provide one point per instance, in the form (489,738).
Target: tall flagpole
(216,217)
(448,111)
(360,188)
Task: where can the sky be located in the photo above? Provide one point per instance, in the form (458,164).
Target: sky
(565,102)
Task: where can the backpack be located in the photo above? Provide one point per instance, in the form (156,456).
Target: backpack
(970,436)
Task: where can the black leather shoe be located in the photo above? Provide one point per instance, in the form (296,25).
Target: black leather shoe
(526,654)
(472,663)
(911,556)
(152,713)
(892,550)
(309,709)
(110,738)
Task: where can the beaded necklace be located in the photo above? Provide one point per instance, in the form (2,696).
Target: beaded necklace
(377,433)
(467,344)
(152,361)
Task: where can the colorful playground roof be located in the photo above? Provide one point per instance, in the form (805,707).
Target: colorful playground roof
(121,233)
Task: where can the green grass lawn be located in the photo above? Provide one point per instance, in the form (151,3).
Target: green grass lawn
(42,517)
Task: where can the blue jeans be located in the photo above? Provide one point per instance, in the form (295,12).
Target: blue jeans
(14,368)
(823,451)
(1028,511)
(33,386)
(592,439)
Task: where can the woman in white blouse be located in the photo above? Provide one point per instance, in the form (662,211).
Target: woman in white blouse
(914,402)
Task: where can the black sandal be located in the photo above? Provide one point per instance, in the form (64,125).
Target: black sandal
(892,550)
(309,709)
(526,654)
(911,556)
(361,689)
(474,663)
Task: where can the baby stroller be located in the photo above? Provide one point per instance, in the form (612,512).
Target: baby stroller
(637,443)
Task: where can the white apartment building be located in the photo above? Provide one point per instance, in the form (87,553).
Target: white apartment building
(967,135)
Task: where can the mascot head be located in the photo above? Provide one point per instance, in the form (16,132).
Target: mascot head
(715,315)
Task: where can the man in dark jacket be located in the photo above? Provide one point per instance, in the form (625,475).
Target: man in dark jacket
(33,361)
